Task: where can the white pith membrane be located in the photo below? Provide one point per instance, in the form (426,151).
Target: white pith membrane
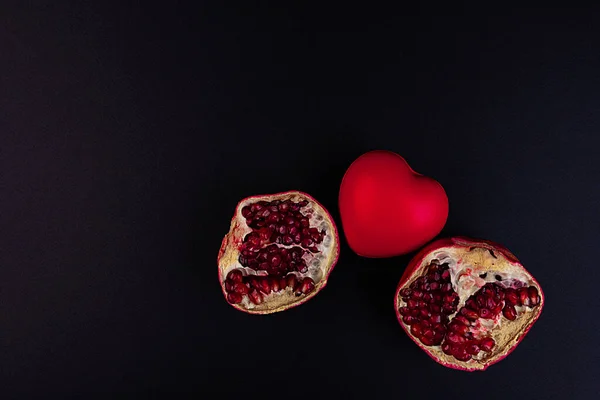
(466,266)
(319,264)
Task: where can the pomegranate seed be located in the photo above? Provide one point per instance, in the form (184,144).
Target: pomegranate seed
(488,291)
(408,320)
(405,292)
(487,344)
(307,242)
(470,303)
(484,313)
(435,308)
(427,341)
(404,311)
(412,303)
(491,303)
(417,294)
(307,285)
(291,281)
(275,284)
(287,240)
(534,297)
(435,318)
(455,338)
(449,299)
(462,355)
(472,348)
(469,314)
(265,285)
(497,310)
(246,212)
(509,312)
(301,267)
(275,260)
(424,313)
(523,296)
(459,328)
(416,330)
(448,309)
(446,348)
(438,337)
(235,275)
(446,275)
(481,301)
(234,298)
(446,287)
(240,288)
(255,296)
(304,222)
(228,286)
(462,319)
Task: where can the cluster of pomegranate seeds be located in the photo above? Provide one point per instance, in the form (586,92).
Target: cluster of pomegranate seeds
(237,285)
(430,300)
(281,235)
(279,222)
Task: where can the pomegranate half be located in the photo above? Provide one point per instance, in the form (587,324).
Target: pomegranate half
(467,303)
(278,253)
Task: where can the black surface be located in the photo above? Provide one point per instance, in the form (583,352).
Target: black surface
(127,136)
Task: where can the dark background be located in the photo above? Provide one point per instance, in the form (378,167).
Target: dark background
(128,134)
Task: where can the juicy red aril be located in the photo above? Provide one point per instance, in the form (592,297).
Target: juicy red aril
(255,296)
(473,349)
(509,312)
(305,286)
(235,275)
(534,296)
(487,344)
(523,294)
(431,299)
(234,298)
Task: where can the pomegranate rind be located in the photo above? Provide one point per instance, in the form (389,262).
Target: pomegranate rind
(229,253)
(504,260)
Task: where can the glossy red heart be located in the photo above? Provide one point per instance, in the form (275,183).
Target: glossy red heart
(388,209)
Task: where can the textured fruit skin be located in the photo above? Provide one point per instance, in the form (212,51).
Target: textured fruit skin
(460,241)
(387,209)
(323,282)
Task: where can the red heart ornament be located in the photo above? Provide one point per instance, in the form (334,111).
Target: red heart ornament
(388,209)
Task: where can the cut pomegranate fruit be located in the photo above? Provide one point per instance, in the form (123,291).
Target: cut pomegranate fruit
(278,253)
(467,303)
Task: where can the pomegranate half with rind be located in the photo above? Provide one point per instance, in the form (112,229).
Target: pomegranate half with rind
(278,253)
(467,303)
